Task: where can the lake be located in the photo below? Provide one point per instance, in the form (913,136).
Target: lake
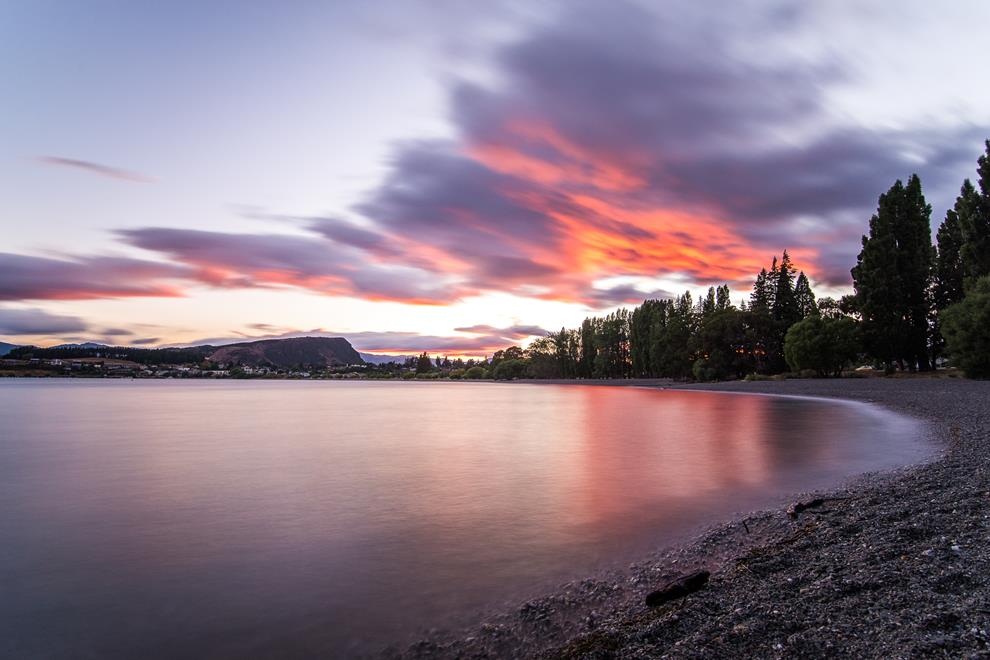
(233,519)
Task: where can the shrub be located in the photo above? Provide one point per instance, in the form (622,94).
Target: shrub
(966,328)
(822,345)
(511,369)
(476,373)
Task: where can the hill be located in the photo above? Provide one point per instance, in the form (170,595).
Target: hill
(6,348)
(291,352)
(371,358)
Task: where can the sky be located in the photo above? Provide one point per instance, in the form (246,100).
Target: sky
(449,176)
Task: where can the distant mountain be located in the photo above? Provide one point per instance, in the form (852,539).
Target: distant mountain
(291,352)
(6,348)
(371,358)
(86,345)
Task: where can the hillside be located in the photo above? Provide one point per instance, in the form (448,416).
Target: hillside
(371,358)
(292,352)
(6,348)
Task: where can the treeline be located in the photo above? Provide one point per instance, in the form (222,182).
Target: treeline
(918,302)
(161,356)
(707,339)
(914,304)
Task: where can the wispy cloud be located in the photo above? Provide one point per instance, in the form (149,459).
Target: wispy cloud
(25,277)
(97,168)
(29,321)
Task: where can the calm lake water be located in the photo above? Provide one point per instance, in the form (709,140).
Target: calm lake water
(275,519)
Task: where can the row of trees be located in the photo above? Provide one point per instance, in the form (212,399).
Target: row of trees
(913,302)
(679,338)
(905,286)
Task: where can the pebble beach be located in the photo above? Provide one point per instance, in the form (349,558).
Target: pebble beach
(891,565)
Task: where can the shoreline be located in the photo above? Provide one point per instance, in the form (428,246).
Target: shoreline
(893,564)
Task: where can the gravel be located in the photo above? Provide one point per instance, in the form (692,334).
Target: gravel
(894,565)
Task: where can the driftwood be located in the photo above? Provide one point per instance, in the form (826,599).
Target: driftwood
(796,508)
(679,588)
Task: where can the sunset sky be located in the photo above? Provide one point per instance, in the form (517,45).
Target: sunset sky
(453,176)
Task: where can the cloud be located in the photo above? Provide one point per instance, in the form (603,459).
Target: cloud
(97,168)
(615,144)
(514,332)
(479,343)
(28,321)
(145,341)
(623,294)
(628,140)
(85,278)
(228,260)
(115,332)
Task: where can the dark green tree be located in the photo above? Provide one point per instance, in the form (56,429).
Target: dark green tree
(966,326)
(804,297)
(722,346)
(511,369)
(949,271)
(892,275)
(974,220)
(589,348)
(785,306)
(824,345)
(423,364)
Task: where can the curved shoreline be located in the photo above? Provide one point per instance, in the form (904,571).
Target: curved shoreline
(895,564)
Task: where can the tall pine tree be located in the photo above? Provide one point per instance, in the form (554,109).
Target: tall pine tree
(892,277)
(974,221)
(804,297)
(949,271)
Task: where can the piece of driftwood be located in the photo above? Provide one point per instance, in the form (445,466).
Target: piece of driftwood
(679,588)
(796,508)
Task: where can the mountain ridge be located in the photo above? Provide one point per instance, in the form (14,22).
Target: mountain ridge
(289,352)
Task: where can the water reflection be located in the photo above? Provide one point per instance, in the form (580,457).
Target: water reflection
(234,519)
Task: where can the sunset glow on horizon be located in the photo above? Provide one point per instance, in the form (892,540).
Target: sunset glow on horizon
(448,177)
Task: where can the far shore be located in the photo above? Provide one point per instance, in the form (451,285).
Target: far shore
(895,564)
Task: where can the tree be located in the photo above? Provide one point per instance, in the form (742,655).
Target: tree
(423,364)
(784,307)
(966,326)
(721,345)
(589,348)
(511,369)
(759,300)
(949,271)
(829,308)
(476,373)
(825,345)
(892,275)
(804,297)
(974,223)
(543,362)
